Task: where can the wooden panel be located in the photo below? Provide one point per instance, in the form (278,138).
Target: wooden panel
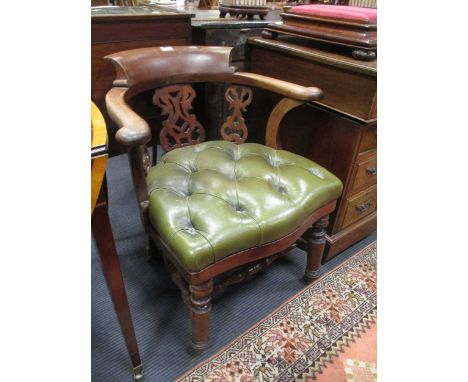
(369,138)
(360,205)
(365,174)
(102,71)
(346,91)
(350,235)
(139,30)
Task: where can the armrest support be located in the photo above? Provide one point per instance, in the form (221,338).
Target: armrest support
(276,117)
(133,130)
(286,89)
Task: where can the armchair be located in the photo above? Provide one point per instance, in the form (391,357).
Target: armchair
(211,207)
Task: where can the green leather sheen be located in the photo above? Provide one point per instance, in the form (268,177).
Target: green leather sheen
(214,199)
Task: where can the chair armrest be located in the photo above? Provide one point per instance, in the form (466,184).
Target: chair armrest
(133,130)
(287,89)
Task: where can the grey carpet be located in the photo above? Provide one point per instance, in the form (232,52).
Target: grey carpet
(162,322)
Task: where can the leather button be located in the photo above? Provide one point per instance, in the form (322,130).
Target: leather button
(191,230)
(238,207)
(281,190)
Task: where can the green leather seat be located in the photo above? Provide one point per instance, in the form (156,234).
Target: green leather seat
(217,198)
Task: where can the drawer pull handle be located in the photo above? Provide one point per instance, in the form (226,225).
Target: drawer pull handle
(371,170)
(363,207)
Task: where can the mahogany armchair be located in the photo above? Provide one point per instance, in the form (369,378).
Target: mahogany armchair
(213,206)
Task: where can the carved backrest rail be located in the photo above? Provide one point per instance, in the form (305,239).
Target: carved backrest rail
(235,129)
(180,128)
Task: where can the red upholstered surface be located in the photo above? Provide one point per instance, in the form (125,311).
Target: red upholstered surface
(337,12)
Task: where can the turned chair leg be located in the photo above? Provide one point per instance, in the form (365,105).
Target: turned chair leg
(315,247)
(200,306)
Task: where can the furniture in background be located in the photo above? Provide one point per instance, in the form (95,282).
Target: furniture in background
(124,3)
(351,28)
(243,8)
(208,4)
(338,132)
(118,28)
(212,207)
(104,238)
(234,33)
(292,3)
(353,3)
(362,3)
(98,3)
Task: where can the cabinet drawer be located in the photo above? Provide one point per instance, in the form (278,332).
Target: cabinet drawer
(360,205)
(365,174)
(369,138)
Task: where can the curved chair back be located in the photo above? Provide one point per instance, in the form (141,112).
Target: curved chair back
(149,68)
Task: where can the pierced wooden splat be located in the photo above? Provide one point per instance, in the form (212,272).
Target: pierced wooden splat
(235,129)
(146,160)
(180,128)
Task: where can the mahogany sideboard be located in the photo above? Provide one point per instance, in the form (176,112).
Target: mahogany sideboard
(339,132)
(114,29)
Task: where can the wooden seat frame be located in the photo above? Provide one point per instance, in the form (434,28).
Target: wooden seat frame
(143,69)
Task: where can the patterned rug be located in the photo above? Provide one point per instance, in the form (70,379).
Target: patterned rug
(298,340)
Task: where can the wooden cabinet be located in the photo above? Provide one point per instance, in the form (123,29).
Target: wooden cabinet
(114,29)
(359,206)
(339,132)
(233,34)
(365,171)
(223,33)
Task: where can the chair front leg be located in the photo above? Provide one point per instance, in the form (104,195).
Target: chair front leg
(315,247)
(200,306)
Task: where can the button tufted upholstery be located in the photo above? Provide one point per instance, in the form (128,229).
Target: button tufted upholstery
(216,198)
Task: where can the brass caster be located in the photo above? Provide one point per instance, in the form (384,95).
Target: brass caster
(311,276)
(199,346)
(138,372)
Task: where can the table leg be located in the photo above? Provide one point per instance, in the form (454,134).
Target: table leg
(104,238)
